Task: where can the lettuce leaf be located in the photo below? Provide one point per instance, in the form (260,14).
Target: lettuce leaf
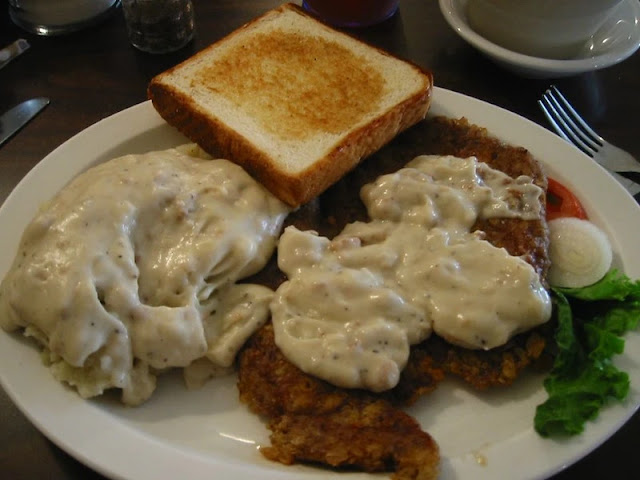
(615,285)
(590,324)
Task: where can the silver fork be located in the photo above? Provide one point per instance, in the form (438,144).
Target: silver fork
(570,126)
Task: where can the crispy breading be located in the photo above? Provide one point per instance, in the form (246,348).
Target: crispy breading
(529,238)
(313,421)
(434,359)
(372,436)
(273,386)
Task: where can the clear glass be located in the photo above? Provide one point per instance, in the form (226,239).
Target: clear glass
(159,26)
(57,17)
(352,13)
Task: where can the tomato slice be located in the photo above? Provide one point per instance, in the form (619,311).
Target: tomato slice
(561,202)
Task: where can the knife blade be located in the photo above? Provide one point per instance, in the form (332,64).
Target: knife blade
(17,117)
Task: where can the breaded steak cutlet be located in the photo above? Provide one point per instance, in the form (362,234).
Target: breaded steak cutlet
(313,421)
(529,238)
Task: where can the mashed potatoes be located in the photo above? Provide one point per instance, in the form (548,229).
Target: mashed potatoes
(132,269)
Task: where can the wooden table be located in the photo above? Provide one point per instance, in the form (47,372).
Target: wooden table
(92,74)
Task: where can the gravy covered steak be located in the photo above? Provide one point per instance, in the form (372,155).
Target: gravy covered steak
(364,322)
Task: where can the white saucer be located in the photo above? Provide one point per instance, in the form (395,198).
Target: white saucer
(615,41)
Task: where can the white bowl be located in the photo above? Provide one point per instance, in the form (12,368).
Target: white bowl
(617,39)
(542,28)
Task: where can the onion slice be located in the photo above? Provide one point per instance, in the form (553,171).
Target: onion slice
(580,253)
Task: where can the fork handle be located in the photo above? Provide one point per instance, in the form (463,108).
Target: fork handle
(630,186)
(617,159)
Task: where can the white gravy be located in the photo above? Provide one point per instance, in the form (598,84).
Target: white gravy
(131,269)
(352,306)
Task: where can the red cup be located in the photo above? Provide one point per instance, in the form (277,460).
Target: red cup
(352,13)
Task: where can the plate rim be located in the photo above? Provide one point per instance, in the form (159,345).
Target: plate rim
(162,458)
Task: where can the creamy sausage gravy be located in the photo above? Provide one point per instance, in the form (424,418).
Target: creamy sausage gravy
(352,306)
(132,269)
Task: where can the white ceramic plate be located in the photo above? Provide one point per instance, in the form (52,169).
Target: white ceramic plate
(615,41)
(207,433)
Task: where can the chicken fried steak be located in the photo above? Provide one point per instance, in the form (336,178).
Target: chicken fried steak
(314,421)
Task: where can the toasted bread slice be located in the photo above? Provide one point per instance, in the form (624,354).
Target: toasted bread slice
(293,101)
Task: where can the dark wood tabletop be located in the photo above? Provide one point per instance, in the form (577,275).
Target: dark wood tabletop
(94,73)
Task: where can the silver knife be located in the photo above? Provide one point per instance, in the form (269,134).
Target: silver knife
(16,118)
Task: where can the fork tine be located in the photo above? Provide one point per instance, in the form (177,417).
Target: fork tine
(569,122)
(566,128)
(576,116)
(552,120)
(554,115)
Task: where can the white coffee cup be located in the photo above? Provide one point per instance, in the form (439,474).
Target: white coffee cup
(55,17)
(542,28)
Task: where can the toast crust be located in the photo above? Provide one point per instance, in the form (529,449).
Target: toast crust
(294,187)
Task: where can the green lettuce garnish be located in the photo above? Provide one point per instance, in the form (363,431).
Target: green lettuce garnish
(591,323)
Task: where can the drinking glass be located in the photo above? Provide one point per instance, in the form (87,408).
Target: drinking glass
(159,26)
